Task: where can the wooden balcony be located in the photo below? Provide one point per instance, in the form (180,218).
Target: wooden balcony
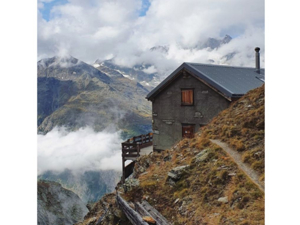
(134,148)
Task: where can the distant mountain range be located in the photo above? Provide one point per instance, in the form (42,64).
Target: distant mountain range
(137,72)
(142,72)
(74,94)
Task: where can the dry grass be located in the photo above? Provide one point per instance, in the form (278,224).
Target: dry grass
(200,187)
(242,127)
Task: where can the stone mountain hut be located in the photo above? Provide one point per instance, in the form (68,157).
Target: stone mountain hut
(195,93)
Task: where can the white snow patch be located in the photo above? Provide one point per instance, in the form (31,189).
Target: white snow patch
(96,65)
(144,83)
(127,76)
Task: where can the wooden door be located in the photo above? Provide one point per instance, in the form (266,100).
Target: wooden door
(188,131)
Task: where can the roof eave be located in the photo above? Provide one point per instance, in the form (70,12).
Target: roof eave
(164,83)
(219,89)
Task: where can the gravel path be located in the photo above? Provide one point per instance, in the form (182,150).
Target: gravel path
(252,174)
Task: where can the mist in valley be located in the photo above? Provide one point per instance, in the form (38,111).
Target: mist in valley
(84,161)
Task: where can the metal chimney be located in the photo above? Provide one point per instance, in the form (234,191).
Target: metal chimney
(257,59)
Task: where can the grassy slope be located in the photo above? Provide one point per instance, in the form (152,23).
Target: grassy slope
(198,191)
(242,126)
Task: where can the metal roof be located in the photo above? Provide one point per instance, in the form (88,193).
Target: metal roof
(230,81)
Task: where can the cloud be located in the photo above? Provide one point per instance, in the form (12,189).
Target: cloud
(91,30)
(80,150)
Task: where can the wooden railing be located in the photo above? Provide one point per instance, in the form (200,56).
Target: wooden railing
(133,146)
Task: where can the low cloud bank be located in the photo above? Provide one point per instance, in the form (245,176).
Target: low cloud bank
(80,150)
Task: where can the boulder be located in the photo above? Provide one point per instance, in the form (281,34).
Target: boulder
(223,199)
(130,183)
(202,156)
(176,173)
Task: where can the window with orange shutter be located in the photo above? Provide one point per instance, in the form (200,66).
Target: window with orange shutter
(187,97)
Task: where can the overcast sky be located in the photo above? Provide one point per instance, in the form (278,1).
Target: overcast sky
(126,29)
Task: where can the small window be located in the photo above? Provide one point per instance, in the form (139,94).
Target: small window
(187,97)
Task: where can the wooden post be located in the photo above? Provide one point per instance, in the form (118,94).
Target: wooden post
(123,170)
(123,165)
(138,149)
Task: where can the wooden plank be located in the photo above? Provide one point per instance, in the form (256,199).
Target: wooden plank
(141,210)
(129,150)
(132,215)
(146,145)
(125,145)
(160,219)
(131,158)
(130,155)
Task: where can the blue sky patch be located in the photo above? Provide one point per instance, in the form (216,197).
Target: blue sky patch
(145,6)
(48,6)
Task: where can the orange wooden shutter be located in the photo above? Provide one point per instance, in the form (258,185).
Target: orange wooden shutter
(183,100)
(190,97)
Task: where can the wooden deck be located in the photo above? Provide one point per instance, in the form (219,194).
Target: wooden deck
(134,148)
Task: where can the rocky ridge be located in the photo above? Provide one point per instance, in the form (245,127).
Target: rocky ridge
(74,94)
(57,205)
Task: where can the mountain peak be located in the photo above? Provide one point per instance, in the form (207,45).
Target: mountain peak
(59,61)
(226,39)
(68,68)
(159,48)
(214,43)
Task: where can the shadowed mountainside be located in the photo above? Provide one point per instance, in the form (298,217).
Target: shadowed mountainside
(74,94)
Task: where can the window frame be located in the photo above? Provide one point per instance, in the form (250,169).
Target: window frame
(193,96)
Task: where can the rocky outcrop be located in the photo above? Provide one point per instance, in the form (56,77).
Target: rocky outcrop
(57,205)
(105,212)
(202,156)
(176,173)
(130,183)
